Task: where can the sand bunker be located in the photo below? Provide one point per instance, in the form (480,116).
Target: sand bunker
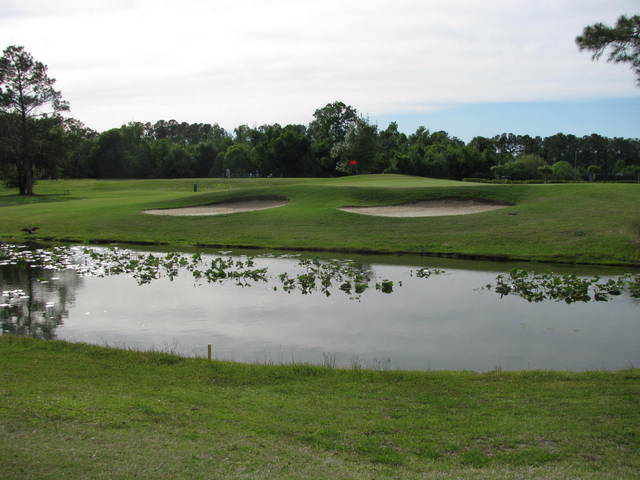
(428,208)
(221,208)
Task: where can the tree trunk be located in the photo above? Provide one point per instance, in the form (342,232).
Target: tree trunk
(26,181)
(20,176)
(28,177)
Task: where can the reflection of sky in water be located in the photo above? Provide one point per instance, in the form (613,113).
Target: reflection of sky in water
(443,322)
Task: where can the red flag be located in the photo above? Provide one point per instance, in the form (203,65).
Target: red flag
(353,162)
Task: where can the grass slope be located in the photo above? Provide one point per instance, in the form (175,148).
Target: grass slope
(79,411)
(583,223)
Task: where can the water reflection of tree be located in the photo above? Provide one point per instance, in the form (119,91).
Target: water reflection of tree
(50,294)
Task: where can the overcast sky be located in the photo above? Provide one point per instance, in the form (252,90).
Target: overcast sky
(254,62)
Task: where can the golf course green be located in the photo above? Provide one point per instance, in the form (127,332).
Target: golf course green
(576,223)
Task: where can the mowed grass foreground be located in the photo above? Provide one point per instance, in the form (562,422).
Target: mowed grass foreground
(583,223)
(79,411)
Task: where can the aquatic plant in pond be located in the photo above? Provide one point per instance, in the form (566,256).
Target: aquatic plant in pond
(385,286)
(426,272)
(345,276)
(54,258)
(536,287)
(145,268)
(351,278)
(314,275)
(634,286)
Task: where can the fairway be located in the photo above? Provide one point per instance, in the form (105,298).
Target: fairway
(577,223)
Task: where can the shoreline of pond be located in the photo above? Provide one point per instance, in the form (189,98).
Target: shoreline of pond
(314,250)
(164,356)
(87,409)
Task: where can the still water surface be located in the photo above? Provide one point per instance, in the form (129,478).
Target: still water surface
(446,321)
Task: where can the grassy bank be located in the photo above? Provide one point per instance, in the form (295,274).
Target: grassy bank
(581,223)
(79,411)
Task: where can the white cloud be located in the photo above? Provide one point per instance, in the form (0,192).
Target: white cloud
(251,61)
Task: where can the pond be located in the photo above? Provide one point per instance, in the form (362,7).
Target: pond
(372,312)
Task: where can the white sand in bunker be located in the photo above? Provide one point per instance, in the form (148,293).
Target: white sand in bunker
(223,208)
(429,208)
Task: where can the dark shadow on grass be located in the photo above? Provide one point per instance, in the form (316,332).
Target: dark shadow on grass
(16,200)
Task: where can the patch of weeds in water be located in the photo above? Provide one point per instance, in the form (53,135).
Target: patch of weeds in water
(426,272)
(146,268)
(634,286)
(328,360)
(569,288)
(385,286)
(380,364)
(345,276)
(325,277)
(351,279)
(55,258)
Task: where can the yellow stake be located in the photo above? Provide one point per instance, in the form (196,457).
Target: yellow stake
(209,352)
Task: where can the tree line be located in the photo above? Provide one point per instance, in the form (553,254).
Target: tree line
(338,141)
(36,141)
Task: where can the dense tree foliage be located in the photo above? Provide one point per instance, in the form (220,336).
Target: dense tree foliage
(337,142)
(622,41)
(29,109)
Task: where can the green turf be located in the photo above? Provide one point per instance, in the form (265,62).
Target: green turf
(79,411)
(582,223)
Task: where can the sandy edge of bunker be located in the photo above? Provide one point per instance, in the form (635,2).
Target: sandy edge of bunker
(429,208)
(222,208)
